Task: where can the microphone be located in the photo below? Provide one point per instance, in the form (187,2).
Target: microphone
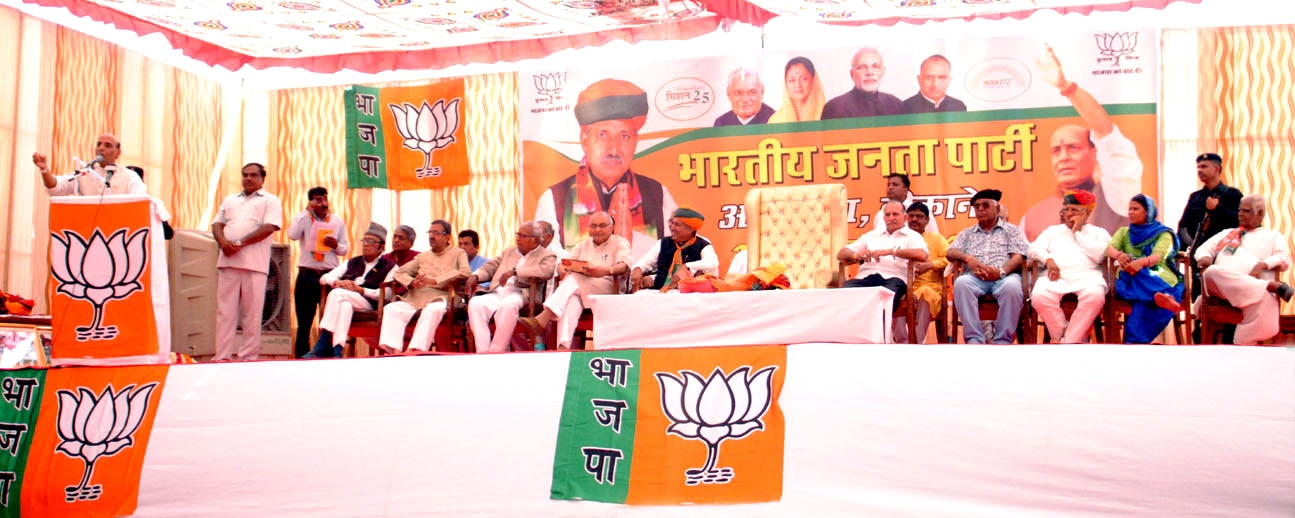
(98,159)
(107,179)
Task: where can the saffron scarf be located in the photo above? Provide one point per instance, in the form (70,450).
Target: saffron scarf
(625,206)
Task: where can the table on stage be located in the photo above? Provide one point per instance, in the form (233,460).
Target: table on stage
(652,319)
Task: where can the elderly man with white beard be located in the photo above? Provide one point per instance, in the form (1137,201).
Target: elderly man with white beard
(1241,265)
(1073,252)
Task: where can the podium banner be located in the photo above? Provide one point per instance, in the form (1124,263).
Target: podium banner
(108,266)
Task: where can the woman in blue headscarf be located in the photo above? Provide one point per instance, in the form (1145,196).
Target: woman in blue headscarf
(1148,279)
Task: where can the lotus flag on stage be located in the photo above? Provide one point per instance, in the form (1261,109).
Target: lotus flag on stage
(111,298)
(667,427)
(72,441)
(406,138)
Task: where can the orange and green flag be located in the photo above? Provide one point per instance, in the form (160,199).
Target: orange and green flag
(408,137)
(672,426)
(86,452)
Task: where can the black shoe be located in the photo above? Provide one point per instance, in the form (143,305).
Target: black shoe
(1285,291)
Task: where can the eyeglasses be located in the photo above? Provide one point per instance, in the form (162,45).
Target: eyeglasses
(438,233)
(519,234)
(599,225)
(371,241)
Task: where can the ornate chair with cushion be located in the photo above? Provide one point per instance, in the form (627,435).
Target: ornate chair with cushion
(802,227)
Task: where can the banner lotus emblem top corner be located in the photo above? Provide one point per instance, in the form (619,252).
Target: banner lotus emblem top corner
(98,270)
(714,409)
(427,129)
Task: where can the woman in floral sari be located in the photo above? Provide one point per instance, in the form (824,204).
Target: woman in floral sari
(1144,256)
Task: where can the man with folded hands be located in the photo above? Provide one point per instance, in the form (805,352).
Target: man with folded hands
(883,254)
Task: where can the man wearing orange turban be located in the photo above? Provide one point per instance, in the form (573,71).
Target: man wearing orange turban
(610,112)
(678,256)
(1073,252)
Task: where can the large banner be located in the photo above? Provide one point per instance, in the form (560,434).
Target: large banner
(406,138)
(1031,118)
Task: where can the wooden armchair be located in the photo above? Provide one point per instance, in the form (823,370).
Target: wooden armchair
(365,325)
(1214,312)
(1118,309)
(802,227)
(1068,303)
(907,305)
(584,331)
(1025,330)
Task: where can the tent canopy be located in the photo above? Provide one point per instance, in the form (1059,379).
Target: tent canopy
(372,36)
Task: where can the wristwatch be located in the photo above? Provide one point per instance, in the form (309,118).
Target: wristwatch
(1002,273)
(238,242)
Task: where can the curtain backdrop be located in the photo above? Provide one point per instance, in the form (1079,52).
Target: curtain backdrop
(1247,81)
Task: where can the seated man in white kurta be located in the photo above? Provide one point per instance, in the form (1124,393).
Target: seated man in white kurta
(884,253)
(595,263)
(355,286)
(1241,265)
(504,300)
(1073,253)
(680,255)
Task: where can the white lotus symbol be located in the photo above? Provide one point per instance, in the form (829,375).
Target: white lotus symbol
(98,270)
(93,427)
(427,129)
(711,410)
(1117,44)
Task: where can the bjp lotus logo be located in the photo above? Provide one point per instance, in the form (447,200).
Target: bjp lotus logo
(427,129)
(95,427)
(98,270)
(714,409)
(1116,45)
(550,85)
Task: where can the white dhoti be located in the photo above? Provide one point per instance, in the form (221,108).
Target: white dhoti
(338,310)
(1046,300)
(1259,308)
(503,305)
(396,315)
(565,302)
(240,296)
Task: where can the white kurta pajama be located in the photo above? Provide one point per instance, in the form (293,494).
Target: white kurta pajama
(1229,278)
(504,301)
(571,297)
(342,304)
(1079,257)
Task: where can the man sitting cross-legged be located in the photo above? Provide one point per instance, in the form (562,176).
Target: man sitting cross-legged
(594,264)
(1241,266)
(504,300)
(355,287)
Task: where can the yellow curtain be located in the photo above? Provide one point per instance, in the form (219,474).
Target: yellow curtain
(1247,83)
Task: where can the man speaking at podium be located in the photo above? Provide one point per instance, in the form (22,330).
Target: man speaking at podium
(91,179)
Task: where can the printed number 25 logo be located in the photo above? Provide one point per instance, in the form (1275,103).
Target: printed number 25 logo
(699,96)
(734,216)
